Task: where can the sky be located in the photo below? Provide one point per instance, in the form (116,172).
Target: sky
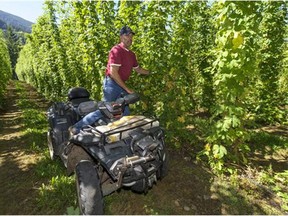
(26,9)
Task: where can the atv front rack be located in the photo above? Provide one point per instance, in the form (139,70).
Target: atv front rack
(122,131)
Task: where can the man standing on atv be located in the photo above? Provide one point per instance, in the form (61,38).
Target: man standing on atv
(120,64)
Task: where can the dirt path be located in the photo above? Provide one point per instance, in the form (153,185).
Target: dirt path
(19,183)
(187,190)
(17,189)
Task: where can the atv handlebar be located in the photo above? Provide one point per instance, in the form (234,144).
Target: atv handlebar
(131,98)
(116,108)
(128,99)
(79,99)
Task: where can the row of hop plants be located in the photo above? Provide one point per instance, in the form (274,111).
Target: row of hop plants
(219,57)
(5,67)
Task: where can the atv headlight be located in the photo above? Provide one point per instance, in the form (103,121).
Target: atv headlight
(146,145)
(157,133)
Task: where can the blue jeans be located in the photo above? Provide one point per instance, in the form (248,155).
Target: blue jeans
(112,91)
(89,119)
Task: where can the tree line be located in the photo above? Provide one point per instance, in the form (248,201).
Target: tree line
(11,42)
(225,59)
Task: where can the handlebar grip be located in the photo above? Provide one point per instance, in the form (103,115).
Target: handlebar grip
(131,98)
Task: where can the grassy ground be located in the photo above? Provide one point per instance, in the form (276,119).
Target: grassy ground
(31,183)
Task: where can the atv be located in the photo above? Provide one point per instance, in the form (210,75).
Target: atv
(116,151)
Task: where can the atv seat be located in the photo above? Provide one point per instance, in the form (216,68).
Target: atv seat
(78,95)
(77,101)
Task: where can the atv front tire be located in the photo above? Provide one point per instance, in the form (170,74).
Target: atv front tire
(163,170)
(89,191)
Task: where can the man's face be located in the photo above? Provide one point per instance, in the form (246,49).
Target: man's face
(127,39)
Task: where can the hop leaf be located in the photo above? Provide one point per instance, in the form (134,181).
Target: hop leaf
(237,40)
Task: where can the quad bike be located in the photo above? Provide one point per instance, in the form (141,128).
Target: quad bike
(117,151)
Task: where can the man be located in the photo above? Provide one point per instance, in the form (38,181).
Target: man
(120,64)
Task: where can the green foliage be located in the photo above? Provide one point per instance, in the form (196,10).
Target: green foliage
(233,68)
(58,188)
(271,56)
(221,58)
(34,120)
(276,146)
(33,117)
(24,67)
(26,104)
(73,211)
(15,41)
(46,168)
(267,144)
(283,79)
(277,181)
(5,67)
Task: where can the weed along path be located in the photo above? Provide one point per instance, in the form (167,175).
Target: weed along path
(31,183)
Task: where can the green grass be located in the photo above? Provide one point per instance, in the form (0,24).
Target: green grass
(26,104)
(267,143)
(236,200)
(34,119)
(277,183)
(57,193)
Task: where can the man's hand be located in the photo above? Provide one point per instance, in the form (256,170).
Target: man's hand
(115,76)
(141,71)
(129,91)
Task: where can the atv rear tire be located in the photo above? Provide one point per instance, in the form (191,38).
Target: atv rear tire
(89,191)
(50,145)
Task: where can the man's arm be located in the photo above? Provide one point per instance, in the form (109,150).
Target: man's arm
(141,70)
(115,76)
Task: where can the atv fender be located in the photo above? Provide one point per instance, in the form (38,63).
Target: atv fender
(75,155)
